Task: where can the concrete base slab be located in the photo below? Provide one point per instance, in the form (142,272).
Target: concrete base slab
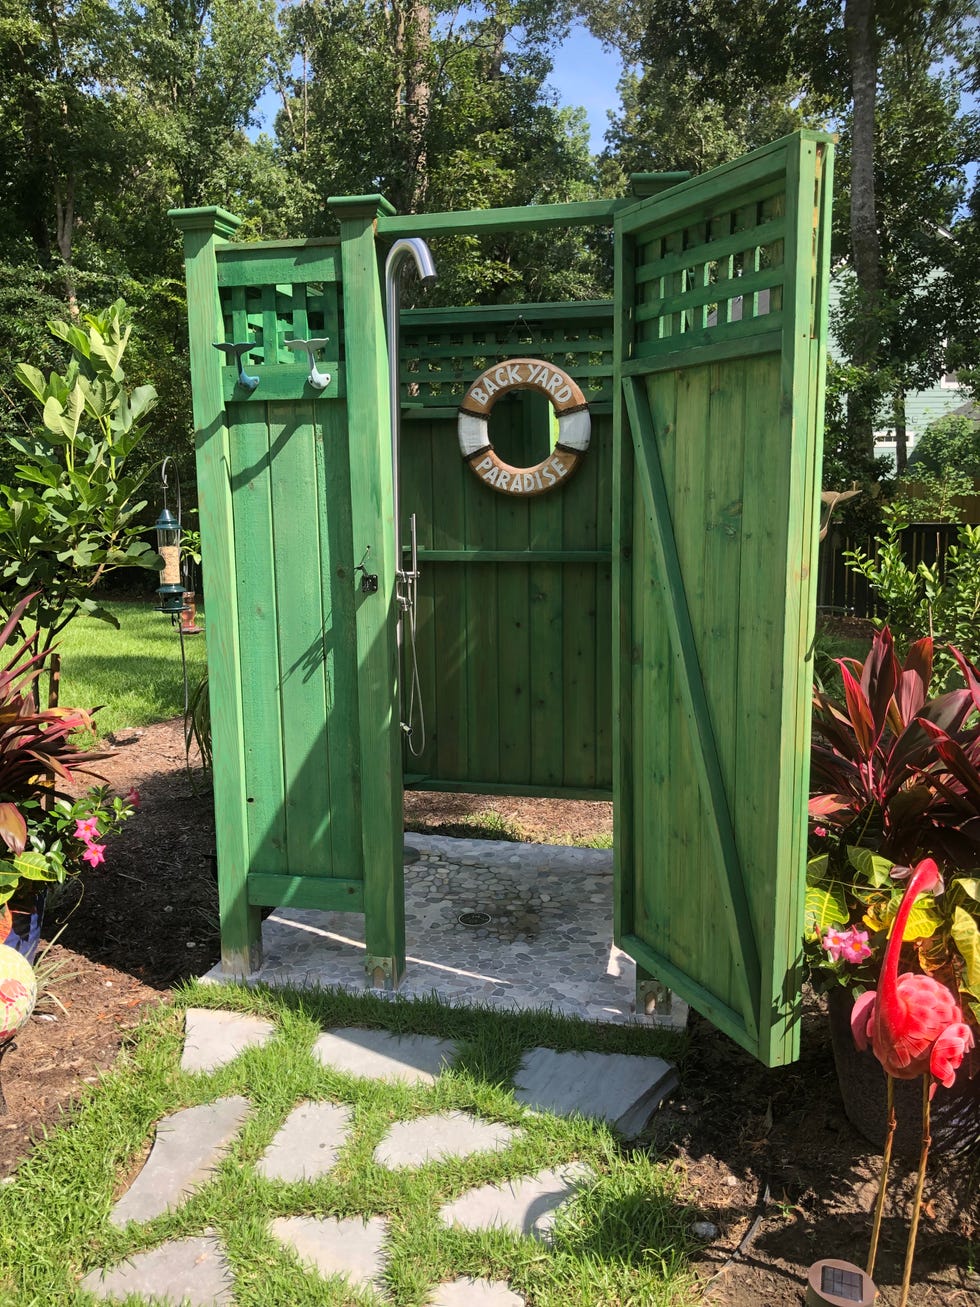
(448,1134)
(189,1272)
(476,1293)
(548,944)
(525,1206)
(213,1038)
(188,1146)
(307,1144)
(352,1248)
(380,1055)
(619,1088)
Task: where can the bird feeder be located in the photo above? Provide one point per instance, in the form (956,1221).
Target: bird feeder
(171,588)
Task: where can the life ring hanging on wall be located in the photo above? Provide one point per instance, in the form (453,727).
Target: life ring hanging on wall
(574,426)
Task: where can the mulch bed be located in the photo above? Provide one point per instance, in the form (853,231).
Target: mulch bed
(766,1156)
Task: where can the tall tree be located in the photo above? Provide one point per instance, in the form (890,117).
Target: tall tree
(438,108)
(59,117)
(709,77)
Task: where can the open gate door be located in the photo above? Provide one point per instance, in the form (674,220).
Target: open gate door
(721,288)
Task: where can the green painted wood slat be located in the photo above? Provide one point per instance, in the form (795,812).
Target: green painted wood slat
(269,890)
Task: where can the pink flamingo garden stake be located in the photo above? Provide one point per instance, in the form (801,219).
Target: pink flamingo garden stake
(916,1028)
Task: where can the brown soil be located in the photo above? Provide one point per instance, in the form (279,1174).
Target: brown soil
(766,1156)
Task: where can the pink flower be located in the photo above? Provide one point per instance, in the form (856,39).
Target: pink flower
(132,797)
(856,949)
(821,831)
(94,854)
(87,830)
(835,941)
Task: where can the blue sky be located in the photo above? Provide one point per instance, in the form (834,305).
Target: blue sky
(586,75)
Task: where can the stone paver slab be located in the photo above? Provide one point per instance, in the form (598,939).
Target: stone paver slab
(185,1271)
(476,1293)
(381,1055)
(525,1206)
(351,1247)
(188,1146)
(620,1088)
(307,1144)
(447,1134)
(214,1038)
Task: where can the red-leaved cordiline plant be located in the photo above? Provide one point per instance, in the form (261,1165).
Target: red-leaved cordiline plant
(895,777)
(893,770)
(35,747)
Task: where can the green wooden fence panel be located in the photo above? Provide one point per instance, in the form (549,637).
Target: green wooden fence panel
(291,483)
(513,637)
(721,299)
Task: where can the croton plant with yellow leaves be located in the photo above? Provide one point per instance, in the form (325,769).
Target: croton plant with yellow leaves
(895,777)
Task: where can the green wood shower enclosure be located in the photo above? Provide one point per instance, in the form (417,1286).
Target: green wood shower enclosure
(641,632)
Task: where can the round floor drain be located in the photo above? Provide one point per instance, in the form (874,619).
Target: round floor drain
(474,918)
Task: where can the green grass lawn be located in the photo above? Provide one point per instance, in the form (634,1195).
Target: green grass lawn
(135,673)
(624,1242)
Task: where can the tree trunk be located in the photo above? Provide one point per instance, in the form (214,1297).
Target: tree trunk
(64,201)
(901,433)
(862,51)
(54,679)
(417,39)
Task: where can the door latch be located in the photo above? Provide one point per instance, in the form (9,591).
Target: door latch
(369,580)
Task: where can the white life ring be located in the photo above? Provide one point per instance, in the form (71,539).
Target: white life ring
(574,426)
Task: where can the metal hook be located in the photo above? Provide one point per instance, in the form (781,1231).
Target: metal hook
(236,351)
(319,380)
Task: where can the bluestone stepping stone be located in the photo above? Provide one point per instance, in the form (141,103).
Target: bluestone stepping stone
(448,1134)
(185,1271)
(213,1038)
(380,1055)
(526,1206)
(188,1146)
(352,1247)
(307,1144)
(620,1088)
(476,1293)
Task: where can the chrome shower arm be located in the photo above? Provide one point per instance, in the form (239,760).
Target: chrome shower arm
(415,247)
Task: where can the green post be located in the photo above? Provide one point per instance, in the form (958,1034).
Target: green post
(241,940)
(373,528)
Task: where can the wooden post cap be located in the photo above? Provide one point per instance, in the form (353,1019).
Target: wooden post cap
(831,1283)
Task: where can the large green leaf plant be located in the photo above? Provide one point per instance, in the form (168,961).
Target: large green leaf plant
(894,777)
(73,514)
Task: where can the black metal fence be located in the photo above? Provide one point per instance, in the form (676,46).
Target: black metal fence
(840,590)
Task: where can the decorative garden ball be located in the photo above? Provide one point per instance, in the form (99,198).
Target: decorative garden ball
(18,991)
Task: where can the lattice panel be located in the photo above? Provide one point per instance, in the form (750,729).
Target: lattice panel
(441,359)
(271,315)
(717,278)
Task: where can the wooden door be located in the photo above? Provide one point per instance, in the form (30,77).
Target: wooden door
(721,313)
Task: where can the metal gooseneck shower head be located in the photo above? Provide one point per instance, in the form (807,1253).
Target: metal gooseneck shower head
(407,580)
(425,265)
(417,247)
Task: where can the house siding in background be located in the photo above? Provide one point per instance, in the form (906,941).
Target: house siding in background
(921,406)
